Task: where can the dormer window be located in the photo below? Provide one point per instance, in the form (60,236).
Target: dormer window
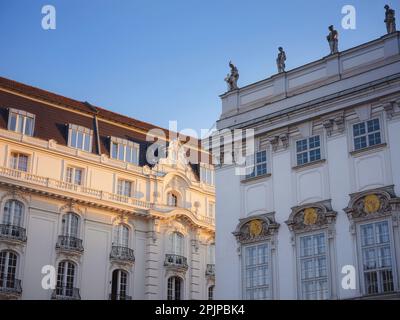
(21,121)
(124,150)
(80,137)
(207,176)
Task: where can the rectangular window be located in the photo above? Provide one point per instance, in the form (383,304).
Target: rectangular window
(257,272)
(211,209)
(308,150)
(256,165)
(80,138)
(366,134)
(376,253)
(21,121)
(124,188)
(125,150)
(74,175)
(207,176)
(19,161)
(313,267)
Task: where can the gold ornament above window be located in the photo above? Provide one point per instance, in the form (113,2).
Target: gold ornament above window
(310,216)
(371,203)
(255,228)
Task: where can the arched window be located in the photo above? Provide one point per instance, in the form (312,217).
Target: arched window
(121,236)
(211,292)
(66,279)
(176,242)
(119,287)
(8,269)
(172,199)
(175,288)
(13,213)
(70,223)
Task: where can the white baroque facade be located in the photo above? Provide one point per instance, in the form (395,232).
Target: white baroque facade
(105,228)
(325,191)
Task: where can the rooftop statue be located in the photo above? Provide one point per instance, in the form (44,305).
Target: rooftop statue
(390,20)
(280,61)
(232,79)
(333,40)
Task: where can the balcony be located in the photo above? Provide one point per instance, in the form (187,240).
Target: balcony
(12,233)
(114,296)
(122,254)
(175,261)
(210,270)
(69,244)
(65,293)
(10,288)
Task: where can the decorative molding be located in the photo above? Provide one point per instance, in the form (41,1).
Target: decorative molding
(311,217)
(335,124)
(372,204)
(256,228)
(392,108)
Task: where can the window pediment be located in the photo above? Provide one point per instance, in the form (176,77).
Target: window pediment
(373,203)
(312,216)
(256,228)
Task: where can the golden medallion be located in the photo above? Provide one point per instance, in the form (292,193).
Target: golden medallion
(255,227)
(371,203)
(310,216)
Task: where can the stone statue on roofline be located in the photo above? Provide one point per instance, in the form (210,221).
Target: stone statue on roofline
(280,61)
(390,20)
(333,40)
(232,78)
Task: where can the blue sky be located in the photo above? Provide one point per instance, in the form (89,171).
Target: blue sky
(166,60)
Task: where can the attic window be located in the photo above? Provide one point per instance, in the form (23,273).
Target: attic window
(124,150)
(21,121)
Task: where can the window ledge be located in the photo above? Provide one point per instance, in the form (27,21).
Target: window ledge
(245,180)
(364,150)
(309,164)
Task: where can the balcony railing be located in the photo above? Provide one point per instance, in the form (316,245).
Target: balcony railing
(11,232)
(10,286)
(69,243)
(58,185)
(122,254)
(210,270)
(65,293)
(119,297)
(174,260)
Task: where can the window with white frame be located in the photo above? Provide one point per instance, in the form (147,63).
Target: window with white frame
(376,255)
(8,269)
(308,150)
(124,150)
(121,236)
(172,199)
(119,285)
(256,271)
(366,134)
(19,161)
(124,188)
(207,175)
(13,213)
(70,225)
(80,137)
(66,279)
(211,209)
(211,254)
(256,164)
(21,121)
(74,175)
(176,243)
(313,267)
(174,288)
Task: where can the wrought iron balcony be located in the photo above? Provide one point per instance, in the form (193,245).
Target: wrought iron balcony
(120,253)
(10,287)
(210,270)
(175,261)
(114,296)
(65,293)
(69,244)
(10,232)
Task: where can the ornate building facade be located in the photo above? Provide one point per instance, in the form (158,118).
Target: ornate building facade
(79,201)
(316,214)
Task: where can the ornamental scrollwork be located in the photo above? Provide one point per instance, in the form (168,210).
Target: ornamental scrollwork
(256,228)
